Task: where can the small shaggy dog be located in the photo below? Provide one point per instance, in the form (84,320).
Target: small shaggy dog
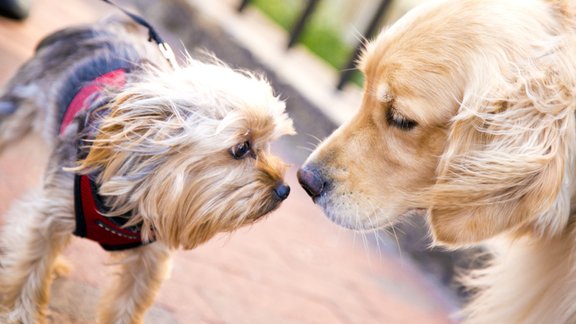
(468,117)
(147,157)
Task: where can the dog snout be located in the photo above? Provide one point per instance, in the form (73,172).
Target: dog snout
(312,182)
(282,191)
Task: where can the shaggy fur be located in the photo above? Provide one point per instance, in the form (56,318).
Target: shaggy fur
(162,150)
(468,118)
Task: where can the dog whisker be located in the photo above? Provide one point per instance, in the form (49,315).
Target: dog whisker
(316,138)
(399,248)
(346,70)
(376,232)
(307,149)
(359,36)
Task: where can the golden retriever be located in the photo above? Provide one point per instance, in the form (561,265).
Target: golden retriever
(468,117)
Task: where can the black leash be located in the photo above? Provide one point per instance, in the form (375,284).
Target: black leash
(153,35)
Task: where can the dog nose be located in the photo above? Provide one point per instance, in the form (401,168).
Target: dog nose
(311,181)
(282,191)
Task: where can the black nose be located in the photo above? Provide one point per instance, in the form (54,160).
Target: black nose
(282,191)
(311,181)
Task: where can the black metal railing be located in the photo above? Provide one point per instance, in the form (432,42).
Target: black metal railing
(347,71)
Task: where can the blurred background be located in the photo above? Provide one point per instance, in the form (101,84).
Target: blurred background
(295,266)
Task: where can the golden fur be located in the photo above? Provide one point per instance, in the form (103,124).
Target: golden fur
(164,153)
(468,117)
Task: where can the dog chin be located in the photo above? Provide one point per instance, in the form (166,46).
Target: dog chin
(267,210)
(345,215)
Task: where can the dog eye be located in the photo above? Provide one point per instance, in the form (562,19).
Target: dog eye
(239,151)
(396,119)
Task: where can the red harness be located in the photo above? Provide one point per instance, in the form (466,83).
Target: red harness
(110,232)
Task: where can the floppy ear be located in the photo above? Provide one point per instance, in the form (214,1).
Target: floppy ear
(508,164)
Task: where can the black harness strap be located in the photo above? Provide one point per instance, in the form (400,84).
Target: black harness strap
(153,35)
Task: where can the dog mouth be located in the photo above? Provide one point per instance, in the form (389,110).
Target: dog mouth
(271,205)
(353,219)
(369,225)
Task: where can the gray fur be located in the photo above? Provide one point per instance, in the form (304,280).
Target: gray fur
(64,61)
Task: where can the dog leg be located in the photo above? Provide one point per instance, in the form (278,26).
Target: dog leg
(16,120)
(142,271)
(30,242)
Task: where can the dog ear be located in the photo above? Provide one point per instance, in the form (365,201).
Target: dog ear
(508,163)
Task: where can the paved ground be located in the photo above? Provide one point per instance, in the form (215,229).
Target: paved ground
(293,267)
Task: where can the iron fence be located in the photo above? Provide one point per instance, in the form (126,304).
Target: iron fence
(299,26)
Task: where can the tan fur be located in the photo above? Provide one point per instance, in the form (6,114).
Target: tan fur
(159,118)
(492,87)
(163,154)
(29,249)
(127,299)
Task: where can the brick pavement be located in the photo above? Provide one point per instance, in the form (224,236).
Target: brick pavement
(293,267)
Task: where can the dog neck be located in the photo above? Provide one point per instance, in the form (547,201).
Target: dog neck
(90,210)
(528,281)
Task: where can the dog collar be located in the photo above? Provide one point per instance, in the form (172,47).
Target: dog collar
(91,222)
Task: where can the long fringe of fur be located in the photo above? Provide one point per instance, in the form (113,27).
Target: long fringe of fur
(140,150)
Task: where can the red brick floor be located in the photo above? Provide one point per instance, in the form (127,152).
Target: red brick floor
(293,267)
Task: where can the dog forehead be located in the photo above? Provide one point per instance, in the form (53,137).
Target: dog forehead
(241,100)
(218,80)
(428,98)
(417,70)
(258,121)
